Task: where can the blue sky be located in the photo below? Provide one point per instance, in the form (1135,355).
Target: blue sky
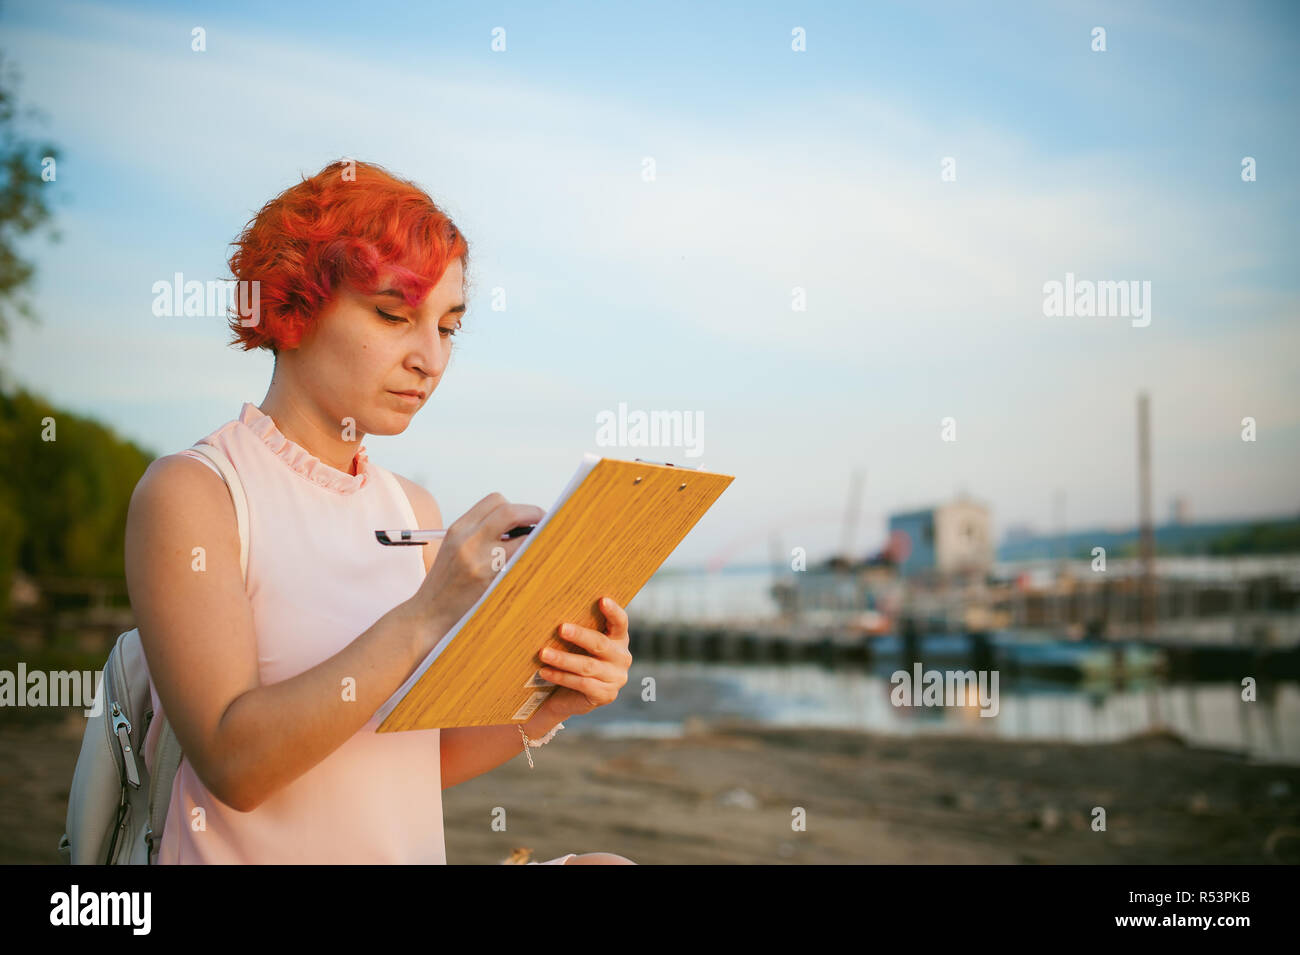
(774,169)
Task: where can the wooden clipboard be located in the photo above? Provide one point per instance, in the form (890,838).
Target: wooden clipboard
(606,536)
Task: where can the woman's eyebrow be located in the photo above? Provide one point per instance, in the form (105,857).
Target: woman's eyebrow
(394,293)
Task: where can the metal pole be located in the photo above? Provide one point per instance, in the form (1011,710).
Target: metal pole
(1146,538)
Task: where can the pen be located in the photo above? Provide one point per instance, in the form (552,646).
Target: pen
(411,538)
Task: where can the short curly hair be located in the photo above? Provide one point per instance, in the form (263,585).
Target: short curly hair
(346,224)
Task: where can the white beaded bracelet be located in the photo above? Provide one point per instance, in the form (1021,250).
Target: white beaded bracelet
(533,743)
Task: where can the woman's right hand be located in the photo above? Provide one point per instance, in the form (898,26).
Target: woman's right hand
(469,557)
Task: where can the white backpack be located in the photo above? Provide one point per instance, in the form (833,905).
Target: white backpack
(116,811)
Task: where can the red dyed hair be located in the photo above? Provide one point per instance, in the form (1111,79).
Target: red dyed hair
(346,224)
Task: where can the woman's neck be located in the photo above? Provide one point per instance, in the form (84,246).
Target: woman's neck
(298,422)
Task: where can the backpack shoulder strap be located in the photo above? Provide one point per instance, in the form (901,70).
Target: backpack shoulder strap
(166,762)
(217,457)
(168,757)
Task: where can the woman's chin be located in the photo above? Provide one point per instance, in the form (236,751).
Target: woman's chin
(392,424)
(398,421)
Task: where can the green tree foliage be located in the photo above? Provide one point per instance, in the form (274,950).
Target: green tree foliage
(23,195)
(1278,537)
(63,503)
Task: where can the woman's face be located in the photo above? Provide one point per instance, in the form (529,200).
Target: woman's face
(354,358)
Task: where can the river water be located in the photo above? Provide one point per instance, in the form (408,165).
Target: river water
(859,697)
(806,694)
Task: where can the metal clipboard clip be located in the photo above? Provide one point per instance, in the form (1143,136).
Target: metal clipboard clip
(669,464)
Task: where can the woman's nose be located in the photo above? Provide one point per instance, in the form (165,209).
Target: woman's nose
(433,355)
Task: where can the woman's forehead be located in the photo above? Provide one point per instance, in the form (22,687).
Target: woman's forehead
(389,286)
(388,279)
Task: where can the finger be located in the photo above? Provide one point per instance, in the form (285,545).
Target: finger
(507,515)
(593,640)
(474,516)
(582,665)
(615,616)
(601,646)
(596,692)
(505,548)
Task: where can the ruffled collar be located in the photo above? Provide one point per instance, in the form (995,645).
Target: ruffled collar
(300,459)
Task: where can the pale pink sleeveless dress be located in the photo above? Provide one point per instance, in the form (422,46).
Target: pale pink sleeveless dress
(317,579)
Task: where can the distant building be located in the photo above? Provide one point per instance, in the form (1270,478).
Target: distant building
(951,539)
(1180,512)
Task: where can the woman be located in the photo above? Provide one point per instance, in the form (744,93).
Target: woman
(271,683)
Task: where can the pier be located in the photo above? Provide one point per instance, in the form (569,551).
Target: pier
(1017,653)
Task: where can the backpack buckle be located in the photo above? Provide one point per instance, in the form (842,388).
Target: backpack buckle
(122,730)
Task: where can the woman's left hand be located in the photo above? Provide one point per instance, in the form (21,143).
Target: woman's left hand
(591,679)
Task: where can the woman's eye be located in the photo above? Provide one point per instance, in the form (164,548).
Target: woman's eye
(394,319)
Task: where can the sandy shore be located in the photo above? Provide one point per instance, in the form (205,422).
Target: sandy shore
(727,794)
